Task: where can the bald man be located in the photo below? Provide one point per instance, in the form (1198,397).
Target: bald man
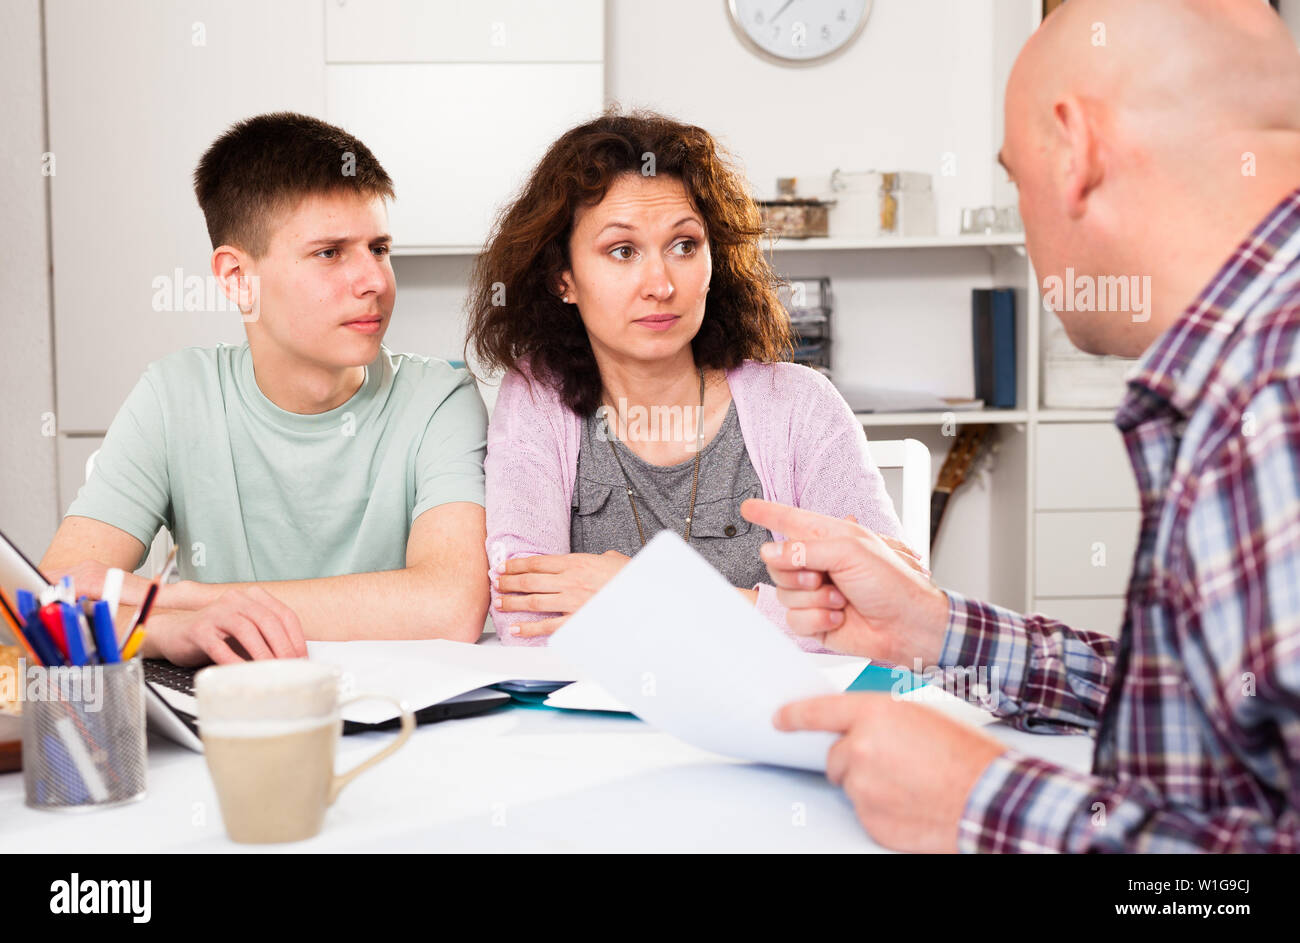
(1156,140)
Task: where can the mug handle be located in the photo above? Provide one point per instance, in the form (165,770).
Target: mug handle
(408,727)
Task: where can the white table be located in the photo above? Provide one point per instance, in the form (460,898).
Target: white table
(517,779)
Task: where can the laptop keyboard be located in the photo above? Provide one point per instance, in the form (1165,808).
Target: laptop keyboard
(170,676)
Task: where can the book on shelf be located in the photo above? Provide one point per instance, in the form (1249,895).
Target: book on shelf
(993,342)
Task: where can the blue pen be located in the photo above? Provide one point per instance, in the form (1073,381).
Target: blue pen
(26,603)
(86,614)
(45,648)
(105,633)
(35,631)
(72,632)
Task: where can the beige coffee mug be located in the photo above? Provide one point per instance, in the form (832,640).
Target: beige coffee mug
(269,731)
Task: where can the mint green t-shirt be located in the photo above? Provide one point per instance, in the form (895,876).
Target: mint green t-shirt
(250,492)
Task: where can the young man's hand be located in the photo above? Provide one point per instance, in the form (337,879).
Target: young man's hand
(849,588)
(558,583)
(88,580)
(907,769)
(252,619)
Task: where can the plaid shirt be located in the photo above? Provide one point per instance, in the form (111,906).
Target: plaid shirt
(1196,709)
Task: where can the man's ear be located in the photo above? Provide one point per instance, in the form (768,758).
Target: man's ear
(231,266)
(1080,163)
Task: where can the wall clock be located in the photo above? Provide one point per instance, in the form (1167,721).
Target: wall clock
(798,32)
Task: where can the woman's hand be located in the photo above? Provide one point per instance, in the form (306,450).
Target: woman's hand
(903,550)
(553,583)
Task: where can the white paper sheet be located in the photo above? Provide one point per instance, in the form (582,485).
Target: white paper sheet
(840,671)
(951,705)
(429,671)
(671,639)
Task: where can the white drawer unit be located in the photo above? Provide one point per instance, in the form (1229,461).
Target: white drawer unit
(1083,465)
(1084,553)
(1103,614)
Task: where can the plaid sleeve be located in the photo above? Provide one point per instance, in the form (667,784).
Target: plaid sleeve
(1024,804)
(1035,672)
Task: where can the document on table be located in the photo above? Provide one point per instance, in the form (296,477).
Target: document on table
(426,672)
(669,638)
(839,670)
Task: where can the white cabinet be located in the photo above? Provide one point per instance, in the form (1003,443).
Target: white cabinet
(464,30)
(459,138)
(1084,553)
(1086,524)
(1083,465)
(459,100)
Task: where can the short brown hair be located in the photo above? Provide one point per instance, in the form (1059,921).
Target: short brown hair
(529,248)
(265,165)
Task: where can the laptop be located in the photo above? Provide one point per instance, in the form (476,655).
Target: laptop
(170,707)
(173,711)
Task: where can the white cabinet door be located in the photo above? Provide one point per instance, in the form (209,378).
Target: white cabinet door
(1084,553)
(458,139)
(464,30)
(137,91)
(1083,465)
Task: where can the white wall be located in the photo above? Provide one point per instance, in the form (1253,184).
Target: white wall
(915,85)
(28,505)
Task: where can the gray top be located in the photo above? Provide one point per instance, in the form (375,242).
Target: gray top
(602,515)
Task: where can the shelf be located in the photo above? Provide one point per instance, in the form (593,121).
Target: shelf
(818,244)
(1076,415)
(937,417)
(1013,240)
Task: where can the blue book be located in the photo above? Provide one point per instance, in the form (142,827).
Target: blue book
(993,341)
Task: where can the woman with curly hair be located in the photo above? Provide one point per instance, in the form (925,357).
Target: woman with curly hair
(625,296)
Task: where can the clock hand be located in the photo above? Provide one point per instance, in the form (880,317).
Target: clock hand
(772,18)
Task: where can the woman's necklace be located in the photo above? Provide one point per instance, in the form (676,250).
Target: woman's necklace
(695,483)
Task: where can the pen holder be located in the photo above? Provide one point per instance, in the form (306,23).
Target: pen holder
(84,736)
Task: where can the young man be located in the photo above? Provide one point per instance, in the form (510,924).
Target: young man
(317,485)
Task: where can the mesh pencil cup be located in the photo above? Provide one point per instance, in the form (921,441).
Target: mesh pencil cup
(84,736)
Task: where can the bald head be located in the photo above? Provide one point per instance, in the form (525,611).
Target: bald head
(1190,64)
(1147,138)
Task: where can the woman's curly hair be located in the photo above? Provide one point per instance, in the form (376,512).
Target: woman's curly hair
(514,309)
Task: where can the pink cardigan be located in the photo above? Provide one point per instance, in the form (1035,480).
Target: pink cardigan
(807,447)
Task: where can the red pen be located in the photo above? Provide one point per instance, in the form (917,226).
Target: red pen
(52,619)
